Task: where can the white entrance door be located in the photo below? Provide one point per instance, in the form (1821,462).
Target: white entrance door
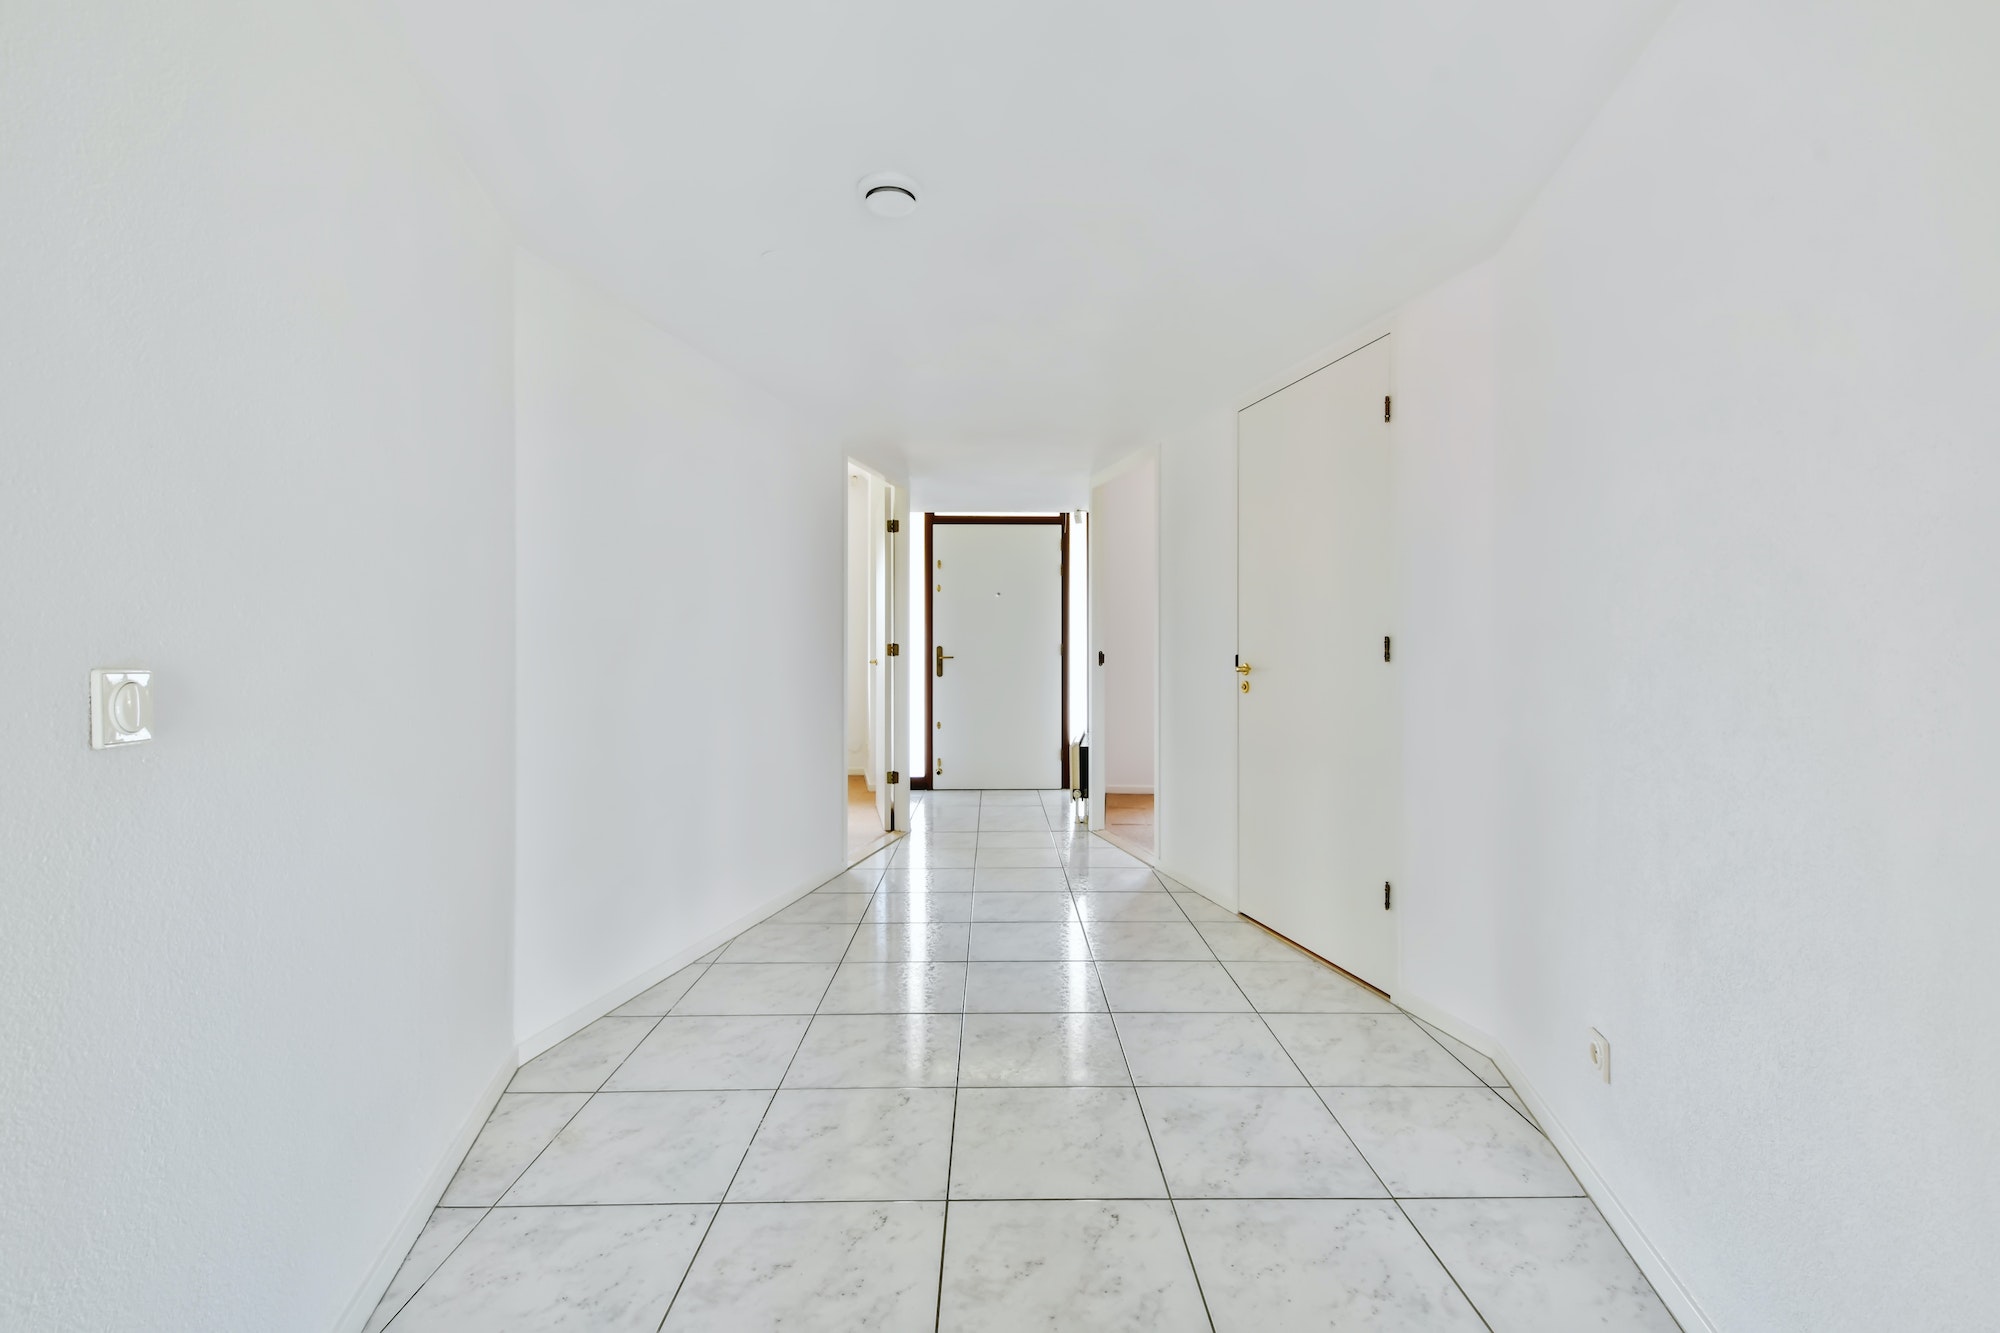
(1318,761)
(996,662)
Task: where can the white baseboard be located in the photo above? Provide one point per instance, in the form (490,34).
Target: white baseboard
(585,1014)
(355,1317)
(1661,1273)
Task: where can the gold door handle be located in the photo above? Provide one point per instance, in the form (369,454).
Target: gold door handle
(942,658)
(1242,668)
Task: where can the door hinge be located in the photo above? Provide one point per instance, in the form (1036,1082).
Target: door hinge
(894,650)
(1388,894)
(895,525)
(1386,402)
(1385,648)
(894,777)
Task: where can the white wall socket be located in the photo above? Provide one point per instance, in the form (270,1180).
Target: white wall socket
(121,708)
(1600,1055)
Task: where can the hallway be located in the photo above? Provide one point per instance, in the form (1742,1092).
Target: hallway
(1145,1113)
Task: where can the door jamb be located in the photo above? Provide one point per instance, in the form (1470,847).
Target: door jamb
(930,630)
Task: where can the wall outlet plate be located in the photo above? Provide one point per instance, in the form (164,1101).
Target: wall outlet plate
(121,708)
(1600,1055)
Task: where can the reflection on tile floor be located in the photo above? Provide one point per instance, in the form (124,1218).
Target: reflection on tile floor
(1002,1076)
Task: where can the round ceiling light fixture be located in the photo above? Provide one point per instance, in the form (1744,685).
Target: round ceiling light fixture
(888,195)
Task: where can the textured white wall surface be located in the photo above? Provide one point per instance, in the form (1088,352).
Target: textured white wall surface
(255,434)
(1128,621)
(1195,808)
(680,637)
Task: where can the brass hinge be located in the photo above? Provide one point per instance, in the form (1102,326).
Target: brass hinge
(1386,401)
(895,525)
(894,650)
(894,777)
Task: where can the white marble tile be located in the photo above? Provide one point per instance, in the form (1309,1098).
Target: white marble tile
(896,988)
(858,880)
(1513,1099)
(1171,987)
(935,858)
(1054,906)
(1199,908)
(1052,1143)
(877,1051)
(1367,1049)
(660,998)
(757,988)
(928,879)
(712,954)
(581,1063)
(1028,942)
(1014,819)
(645,1147)
(1020,879)
(1254,1143)
(1301,986)
(994,797)
(1448,1142)
(1129,907)
(1204,1050)
(1036,987)
(967,819)
(563,1270)
(875,860)
(440,1236)
(814,1268)
(1540,1265)
(849,1143)
(774,942)
(1001,857)
(925,838)
(1085,1266)
(1040,1050)
(1144,941)
(1016,838)
(825,909)
(522,1124)
(1241,942)
(910,908)
(732,1052)
(908,942)
(1488,1072)
(1279,1265)
(1113,879)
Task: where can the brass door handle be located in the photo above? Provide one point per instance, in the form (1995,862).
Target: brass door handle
(1242,668)
(942,658)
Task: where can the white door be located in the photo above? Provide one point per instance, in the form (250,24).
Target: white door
(996,664)
(880,663)
(1318,762)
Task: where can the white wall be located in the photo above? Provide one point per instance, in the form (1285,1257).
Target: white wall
(680,539)
(255,435)
(1701,606)
(1195,808)
(1125,512)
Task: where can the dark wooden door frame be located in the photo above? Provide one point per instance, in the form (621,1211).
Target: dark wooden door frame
(923,782)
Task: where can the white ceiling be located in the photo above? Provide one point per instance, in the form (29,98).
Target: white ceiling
(1131,212)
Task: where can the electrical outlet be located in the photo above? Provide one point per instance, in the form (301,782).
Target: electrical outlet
(1600,1055)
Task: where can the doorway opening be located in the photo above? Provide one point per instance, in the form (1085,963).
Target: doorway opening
(1125,631)
(869,658)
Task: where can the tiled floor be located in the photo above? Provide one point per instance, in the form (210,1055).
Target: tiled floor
(1003,1077)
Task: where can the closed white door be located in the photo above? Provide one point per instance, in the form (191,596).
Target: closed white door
(1318,760)
(996,662)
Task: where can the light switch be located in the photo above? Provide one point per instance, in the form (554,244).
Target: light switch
(121,708)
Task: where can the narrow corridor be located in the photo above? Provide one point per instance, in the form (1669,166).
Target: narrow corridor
(1002,1076)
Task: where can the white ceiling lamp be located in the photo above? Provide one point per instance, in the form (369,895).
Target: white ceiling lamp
(888,195)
